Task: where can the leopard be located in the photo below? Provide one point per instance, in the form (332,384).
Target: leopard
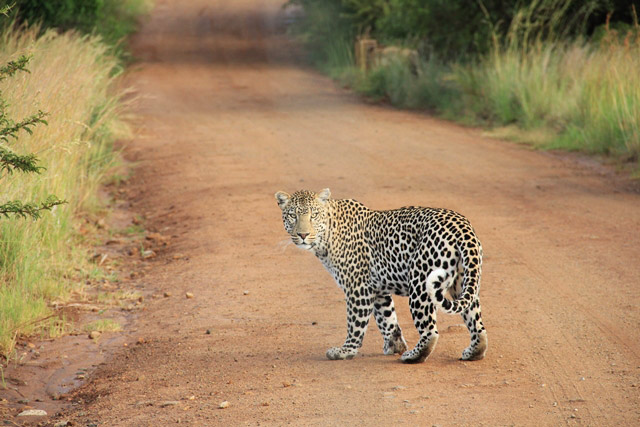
(430,255)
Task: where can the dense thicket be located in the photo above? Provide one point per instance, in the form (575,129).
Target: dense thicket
(111,19)
(456,28)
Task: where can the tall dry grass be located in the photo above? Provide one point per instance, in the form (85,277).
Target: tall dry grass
(571,95)
(608,115)
(537,84)
(72,79)
(587,96)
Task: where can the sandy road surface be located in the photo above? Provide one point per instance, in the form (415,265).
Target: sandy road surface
(226,119)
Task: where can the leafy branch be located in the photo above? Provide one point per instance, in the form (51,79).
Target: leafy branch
(10,161)
(18,208)
(12,67)
(10,128)
(4,10)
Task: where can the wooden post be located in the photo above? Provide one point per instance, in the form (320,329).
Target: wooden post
(365,50)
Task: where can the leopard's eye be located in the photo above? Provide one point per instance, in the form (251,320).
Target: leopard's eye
(291,217)
(314,214)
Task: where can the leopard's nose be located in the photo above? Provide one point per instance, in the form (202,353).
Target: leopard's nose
(303,235)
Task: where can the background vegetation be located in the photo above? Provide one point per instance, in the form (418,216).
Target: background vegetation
(71,78)
(556,73)
(112,20)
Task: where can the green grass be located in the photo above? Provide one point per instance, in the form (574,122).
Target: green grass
(103,325)
(572,95)
(586,96)
(133,230)
(72,79)
(117,19)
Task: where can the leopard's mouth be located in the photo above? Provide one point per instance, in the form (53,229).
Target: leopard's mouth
(302,243)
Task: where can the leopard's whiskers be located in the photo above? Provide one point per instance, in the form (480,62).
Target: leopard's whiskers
(284,244)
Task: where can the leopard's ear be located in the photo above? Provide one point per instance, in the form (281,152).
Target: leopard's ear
(282,198)
(324,195)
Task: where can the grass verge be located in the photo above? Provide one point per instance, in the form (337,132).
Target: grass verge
(71,78)
(585,97)
(569,95)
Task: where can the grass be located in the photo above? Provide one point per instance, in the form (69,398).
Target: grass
(112,20)
(133,230)
(118,19)
(103,325)
(587,97)
(553,94)
(72,78)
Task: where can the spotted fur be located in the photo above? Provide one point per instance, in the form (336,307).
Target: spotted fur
(430,255)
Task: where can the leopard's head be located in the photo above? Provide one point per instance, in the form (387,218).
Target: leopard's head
(305,216)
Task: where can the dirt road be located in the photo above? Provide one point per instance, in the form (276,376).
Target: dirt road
(227,118)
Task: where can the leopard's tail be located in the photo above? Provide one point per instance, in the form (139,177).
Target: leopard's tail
(439,280)
(437,284)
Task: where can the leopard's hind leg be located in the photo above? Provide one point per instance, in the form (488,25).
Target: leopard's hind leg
(473,319)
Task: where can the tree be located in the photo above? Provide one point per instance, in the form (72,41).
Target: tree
(11,162)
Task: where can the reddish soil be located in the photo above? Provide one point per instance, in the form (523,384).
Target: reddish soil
(226,117)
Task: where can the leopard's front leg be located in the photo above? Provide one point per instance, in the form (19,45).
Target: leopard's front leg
(385,315)
(359,308)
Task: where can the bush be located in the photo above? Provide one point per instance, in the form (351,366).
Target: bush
(62,14)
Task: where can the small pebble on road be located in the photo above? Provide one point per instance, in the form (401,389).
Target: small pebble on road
(33,413)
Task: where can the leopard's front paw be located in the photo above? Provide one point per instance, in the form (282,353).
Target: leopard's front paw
(341,353)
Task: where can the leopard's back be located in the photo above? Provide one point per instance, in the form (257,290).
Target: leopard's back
(392,244)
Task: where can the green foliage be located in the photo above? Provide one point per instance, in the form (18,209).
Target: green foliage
(103,325)
(63,14)
(111,19)
(455,29)
(528,74)
(326,32)
(34,210)
(10,128)
(10,161)
(450,29)
(11,67)
(71,78)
